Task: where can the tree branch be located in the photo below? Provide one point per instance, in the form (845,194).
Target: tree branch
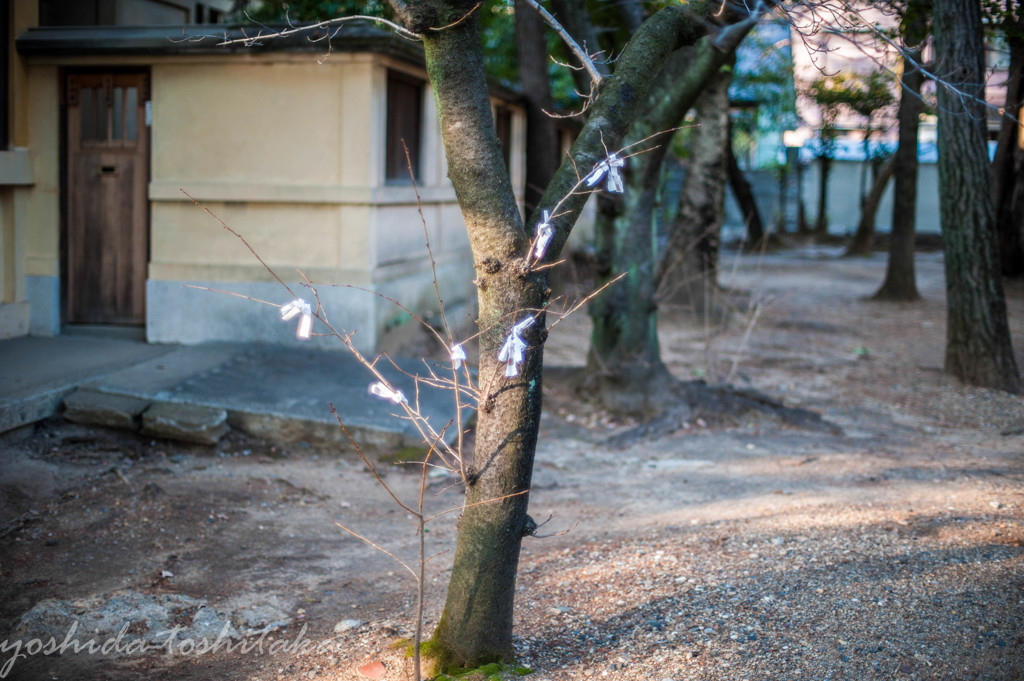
(595,75)
(613,113)
(248,41)
(730,37)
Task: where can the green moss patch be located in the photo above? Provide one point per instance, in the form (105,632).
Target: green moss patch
(495,671)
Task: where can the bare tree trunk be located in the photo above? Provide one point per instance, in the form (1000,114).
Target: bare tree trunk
(865,234)
(824,168)
(802,226)
(1008,165)
(900,281)
(626,371)
(743,193)
(624,359)
(542,149)
(688,274)
(476,624)
(632,13)
(978,346)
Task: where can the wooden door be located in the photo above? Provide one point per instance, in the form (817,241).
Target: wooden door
(107,231)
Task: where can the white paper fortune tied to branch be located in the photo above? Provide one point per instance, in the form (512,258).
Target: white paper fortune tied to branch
(513,351)
(458,356)
(381,390)
(305,326)
(544,233)
(610,167)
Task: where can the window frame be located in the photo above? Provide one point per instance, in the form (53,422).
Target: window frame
(401,124)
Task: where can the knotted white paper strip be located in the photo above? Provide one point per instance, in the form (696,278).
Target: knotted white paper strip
(544,233)
(381,390)
(305,326)
(512,352)
(609,166)
(458,356)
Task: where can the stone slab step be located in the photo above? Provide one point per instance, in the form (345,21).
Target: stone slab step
(167,420)
(188,422)
(94,408)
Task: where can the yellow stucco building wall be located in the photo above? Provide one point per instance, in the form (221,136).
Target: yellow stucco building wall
(287,148)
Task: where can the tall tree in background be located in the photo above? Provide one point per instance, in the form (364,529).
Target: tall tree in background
(978,345)
(900,282)
(829,94)
(864,236)
(542,149)
(870,97)
(688,271)
(743,192)
(624,361)
(1008,164)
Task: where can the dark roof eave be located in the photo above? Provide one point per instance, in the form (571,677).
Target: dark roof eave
(204,39)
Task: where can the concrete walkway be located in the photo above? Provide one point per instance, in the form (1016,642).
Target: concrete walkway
(281,394)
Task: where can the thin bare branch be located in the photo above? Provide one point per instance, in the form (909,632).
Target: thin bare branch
(478,503)
(240,238)
(369,464)
(381,549)
(584,301)
(232,293)
(552,534)
(440,303)
(435,555)
(269,34)
(459,20)
(595,75)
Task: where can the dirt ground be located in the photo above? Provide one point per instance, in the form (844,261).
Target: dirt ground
(750,551)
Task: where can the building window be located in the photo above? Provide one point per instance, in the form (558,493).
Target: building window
(404,123)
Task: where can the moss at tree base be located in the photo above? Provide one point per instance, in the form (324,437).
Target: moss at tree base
(439,665)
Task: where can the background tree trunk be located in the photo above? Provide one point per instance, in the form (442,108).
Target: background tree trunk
(864,237)
(1008,165)
(743,193)
(824,168)
(978,346)
(542,148)
(802,226)
(900,281)
(624,361)
(573,16)
(688,274)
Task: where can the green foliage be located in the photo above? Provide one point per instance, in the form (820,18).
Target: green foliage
(866,95)
(829,93)
(498,29)
(501,62)
(870,94)
(763,77)
(915,22)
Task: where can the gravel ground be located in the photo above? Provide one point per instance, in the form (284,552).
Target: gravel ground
(752,552)
(758,552)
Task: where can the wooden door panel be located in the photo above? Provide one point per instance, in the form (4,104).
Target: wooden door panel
(107,230)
